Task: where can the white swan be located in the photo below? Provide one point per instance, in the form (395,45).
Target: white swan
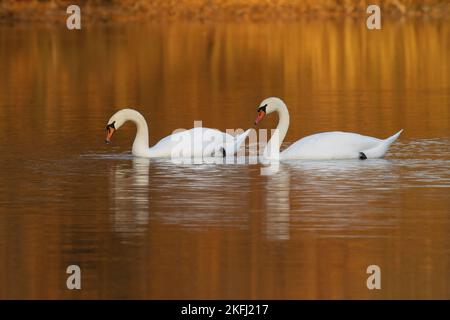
(320,146)
(196,142)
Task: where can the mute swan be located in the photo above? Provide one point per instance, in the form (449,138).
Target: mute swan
(195,142)
(326,145)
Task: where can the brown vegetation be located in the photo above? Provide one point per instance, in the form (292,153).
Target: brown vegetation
(254,10)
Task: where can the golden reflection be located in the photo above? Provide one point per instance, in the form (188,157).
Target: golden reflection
(305,63)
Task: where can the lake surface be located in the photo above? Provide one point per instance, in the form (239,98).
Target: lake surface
(151,229)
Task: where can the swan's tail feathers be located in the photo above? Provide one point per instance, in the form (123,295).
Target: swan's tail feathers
(233,146)
(380,150)
(392,138)
(240,139)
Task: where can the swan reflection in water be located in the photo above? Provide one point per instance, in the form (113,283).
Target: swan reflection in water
(202,195)
(330,197)
(194,196)
(130,195)
(344,198)
(278,204)
(338,197)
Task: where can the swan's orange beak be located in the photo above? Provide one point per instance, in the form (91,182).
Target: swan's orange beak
(260,116)
(109,133)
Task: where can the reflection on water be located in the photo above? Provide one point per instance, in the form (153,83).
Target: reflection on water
(153,229)
(277,193)
(334,197)
(130,196)
(199,196)
(338,197)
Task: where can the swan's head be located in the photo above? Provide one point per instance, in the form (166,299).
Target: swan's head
(115,122)
(267,106)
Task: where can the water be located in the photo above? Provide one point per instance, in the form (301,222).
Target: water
(151,229)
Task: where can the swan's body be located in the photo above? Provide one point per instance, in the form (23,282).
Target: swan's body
(320,146)
(337,145)
(196,142)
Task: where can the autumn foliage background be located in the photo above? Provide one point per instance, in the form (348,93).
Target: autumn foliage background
(254,10)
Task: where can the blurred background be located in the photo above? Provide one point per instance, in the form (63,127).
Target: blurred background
(215,10)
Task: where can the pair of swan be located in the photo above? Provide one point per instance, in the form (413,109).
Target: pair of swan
(200,141)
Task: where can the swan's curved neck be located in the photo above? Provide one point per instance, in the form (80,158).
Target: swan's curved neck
(283,125)
(283,122)
(140,144)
